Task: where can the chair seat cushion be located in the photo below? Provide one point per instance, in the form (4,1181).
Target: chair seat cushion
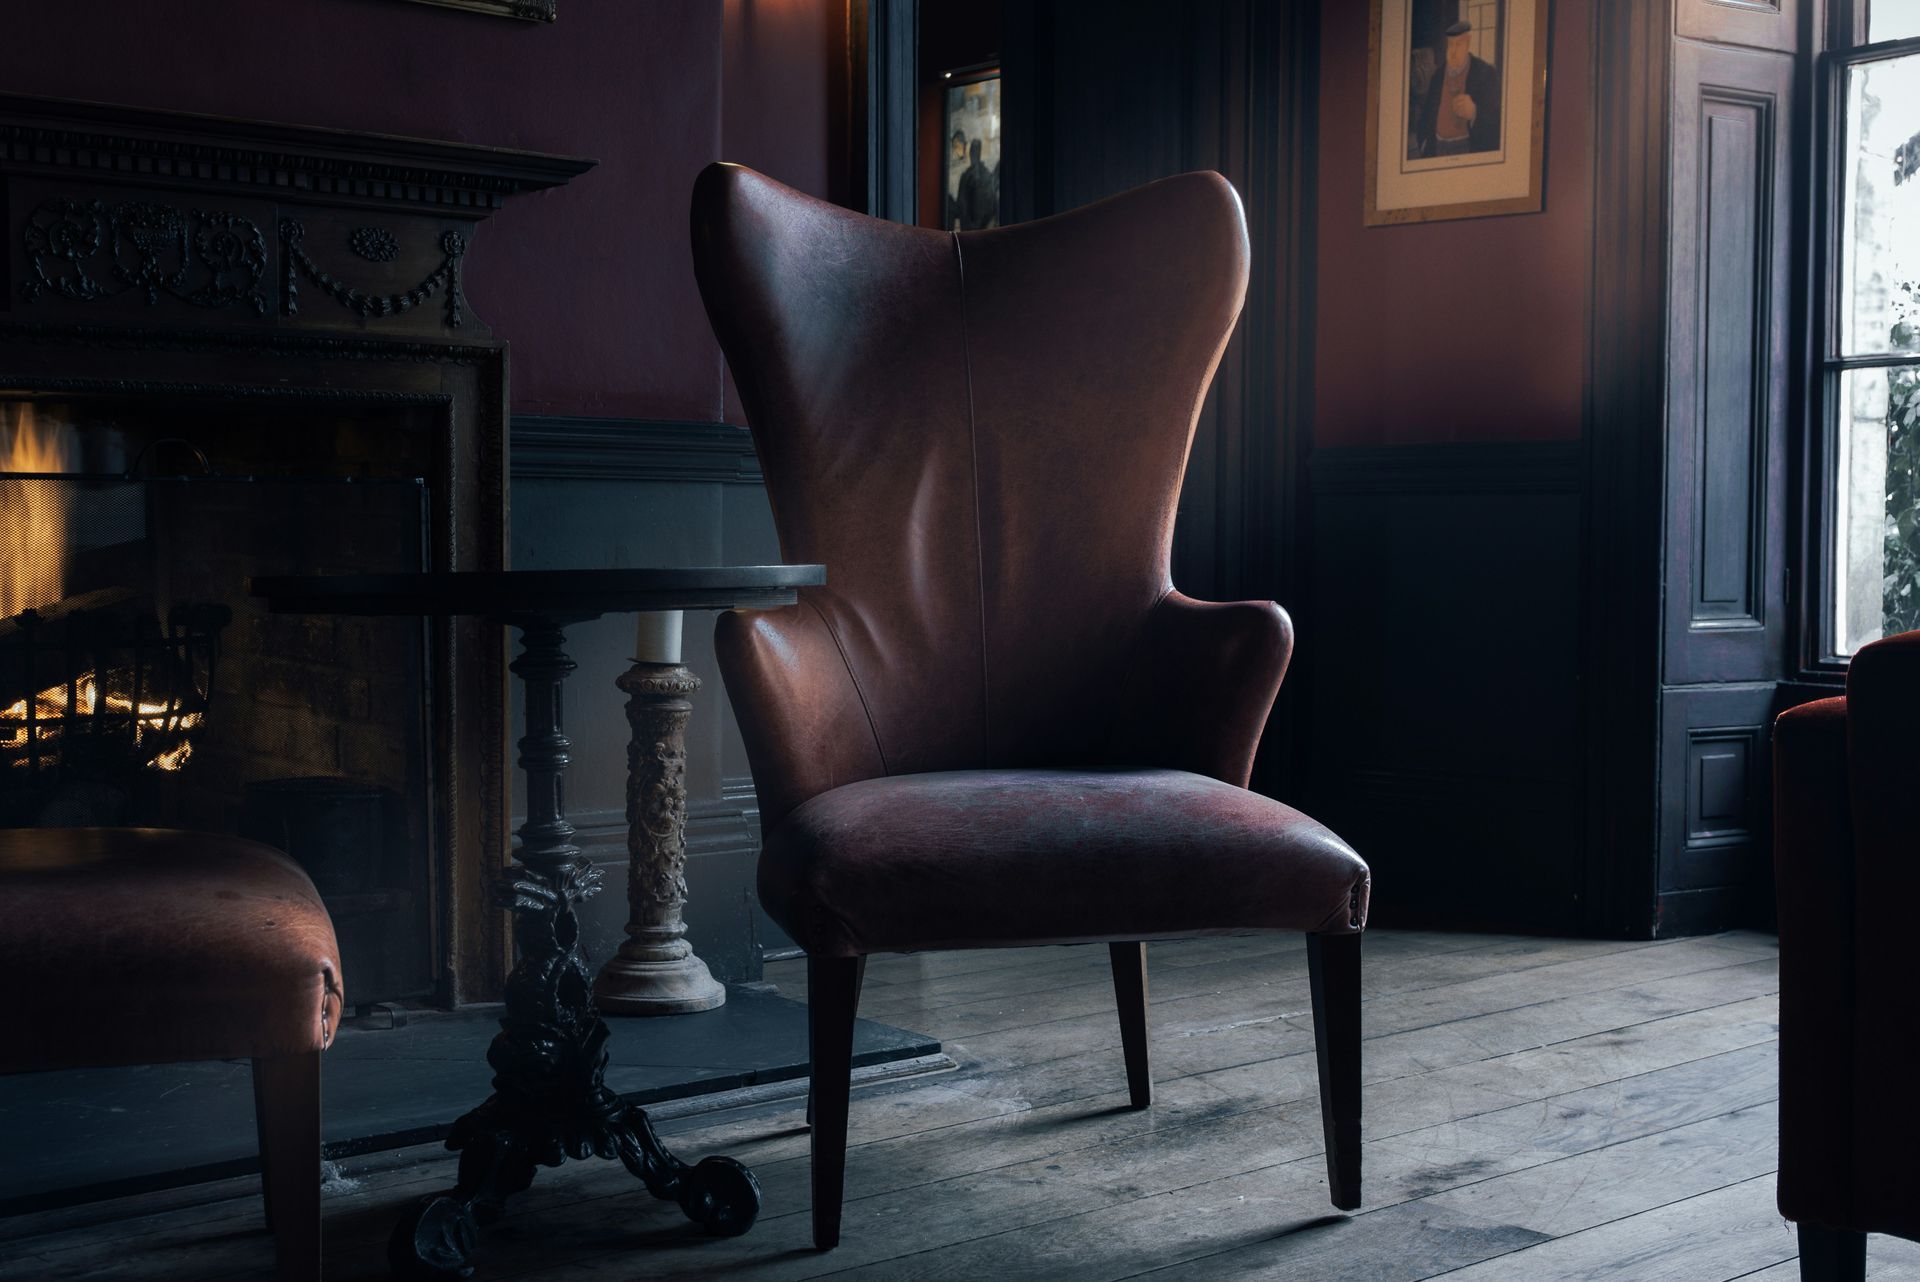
(990,858)
(141,946)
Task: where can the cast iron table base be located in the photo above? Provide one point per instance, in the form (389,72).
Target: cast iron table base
(550,1099)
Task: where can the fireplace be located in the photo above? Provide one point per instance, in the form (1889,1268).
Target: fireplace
(231,350)
(141,684)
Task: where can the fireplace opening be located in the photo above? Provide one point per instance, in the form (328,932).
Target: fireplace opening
(141,684)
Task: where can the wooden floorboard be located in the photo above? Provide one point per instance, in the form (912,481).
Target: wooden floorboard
(1536,1109)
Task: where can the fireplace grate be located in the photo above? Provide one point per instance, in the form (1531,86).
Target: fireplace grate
(97,690)
(101,679)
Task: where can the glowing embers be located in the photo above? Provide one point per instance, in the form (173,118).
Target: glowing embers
(97,695)
(101,678)
(147,732)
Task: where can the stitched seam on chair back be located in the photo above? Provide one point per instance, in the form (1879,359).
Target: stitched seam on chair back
(854,677)
(979,538)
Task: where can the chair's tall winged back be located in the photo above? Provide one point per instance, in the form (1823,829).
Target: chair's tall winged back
(998,723)
(982,436)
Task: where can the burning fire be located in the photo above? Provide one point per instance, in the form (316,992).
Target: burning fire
(33,538)
(33,541)
(156,719)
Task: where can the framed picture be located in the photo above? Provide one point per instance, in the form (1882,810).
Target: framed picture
(1456,109)
(970,128)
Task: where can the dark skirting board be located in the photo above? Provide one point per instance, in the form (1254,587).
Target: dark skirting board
(86,1134)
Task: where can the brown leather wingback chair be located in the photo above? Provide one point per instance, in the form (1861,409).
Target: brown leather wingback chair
(998,724)
(1847,869)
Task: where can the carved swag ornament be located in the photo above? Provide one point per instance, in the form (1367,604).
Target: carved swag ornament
(90,250)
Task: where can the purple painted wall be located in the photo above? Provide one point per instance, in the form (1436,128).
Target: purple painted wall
(783,61)
(783,65)
(1474,330)
(591,283)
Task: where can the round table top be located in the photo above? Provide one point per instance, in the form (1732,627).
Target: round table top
(555,594)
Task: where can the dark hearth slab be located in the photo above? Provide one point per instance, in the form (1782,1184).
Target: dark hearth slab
(90,1133)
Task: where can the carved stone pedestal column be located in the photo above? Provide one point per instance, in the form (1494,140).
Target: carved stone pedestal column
(655,971)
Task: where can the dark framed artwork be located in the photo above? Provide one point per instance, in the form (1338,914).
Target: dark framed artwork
(1456,109)
(528,10)
(970,133)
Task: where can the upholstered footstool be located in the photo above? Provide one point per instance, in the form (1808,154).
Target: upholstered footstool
(141,946)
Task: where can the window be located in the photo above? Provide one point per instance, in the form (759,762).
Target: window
(1485,17)
(1893,19)
(1871,370)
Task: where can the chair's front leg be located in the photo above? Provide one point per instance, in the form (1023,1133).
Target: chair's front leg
(1130,995)
(1333,968)
(286,1093)
(1832,1255)
(833,996)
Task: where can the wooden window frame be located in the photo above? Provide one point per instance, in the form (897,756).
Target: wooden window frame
(1819,660)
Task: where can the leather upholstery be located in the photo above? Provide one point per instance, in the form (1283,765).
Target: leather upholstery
(981,435)
(141,946)
(1003,857)
(1847,870)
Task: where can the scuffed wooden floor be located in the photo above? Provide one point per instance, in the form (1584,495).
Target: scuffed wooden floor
(1535,1109)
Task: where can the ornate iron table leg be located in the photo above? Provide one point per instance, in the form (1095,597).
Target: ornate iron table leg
(655,972)
(550,1100)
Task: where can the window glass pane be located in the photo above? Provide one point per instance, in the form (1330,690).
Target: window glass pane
(1877,509)
(1880,225)
(1893,19)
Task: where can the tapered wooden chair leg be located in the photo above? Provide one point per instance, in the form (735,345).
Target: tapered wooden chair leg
(1333,968)
(1130,994)
(261,1131)
(1832,1255)
(286,1099)
(859,979)
(833,995)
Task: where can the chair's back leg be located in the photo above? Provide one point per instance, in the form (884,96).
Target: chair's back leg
(286,1098)
(1832,1255)
(1130,994)
(1333,969)
(833,995)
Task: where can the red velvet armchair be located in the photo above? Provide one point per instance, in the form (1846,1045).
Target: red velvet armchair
(998,724)
(1847,867)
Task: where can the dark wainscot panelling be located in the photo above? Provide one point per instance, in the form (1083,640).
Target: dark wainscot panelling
(1727,399)
(560,448)
(1440,653)
(1726,633)
(597,493)
(1716,766)
(1699,317)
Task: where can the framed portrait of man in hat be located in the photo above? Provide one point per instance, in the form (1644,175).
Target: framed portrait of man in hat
(1456,109)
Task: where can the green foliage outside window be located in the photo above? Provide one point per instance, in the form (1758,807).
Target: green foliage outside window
(1900,590)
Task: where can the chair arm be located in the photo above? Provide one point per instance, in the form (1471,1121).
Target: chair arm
(801,716)
(1814,879)
(1203,679)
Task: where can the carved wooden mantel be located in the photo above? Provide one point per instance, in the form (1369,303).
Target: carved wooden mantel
(140,216)
(166,255)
